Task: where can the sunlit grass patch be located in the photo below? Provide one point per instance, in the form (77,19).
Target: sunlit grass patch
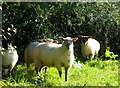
(93,73)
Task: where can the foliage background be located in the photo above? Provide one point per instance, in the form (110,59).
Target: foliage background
(25,22)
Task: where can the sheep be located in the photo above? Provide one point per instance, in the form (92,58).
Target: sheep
(89,47)
(28,54)
(9,59)
(1,53)
(55,55)
(49,40)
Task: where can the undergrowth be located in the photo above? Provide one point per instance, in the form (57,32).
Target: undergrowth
(93,73)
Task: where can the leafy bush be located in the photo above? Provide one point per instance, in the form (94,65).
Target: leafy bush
(25,22)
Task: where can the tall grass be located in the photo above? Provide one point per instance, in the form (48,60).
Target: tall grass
(93,73)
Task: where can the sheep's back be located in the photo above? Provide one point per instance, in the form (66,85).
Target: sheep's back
(51,54)
(94,44)
(29,52)
(90,47)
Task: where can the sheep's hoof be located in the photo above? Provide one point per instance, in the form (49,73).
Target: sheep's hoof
(66,80)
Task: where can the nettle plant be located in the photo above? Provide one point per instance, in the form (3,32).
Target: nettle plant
(108,54)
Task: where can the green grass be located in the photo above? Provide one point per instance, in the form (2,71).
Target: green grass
(93,73)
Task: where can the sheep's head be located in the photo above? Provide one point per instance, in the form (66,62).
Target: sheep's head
(68,41)
(84,38)
(5,44)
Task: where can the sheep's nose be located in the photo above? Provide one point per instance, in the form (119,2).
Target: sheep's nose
(68,45)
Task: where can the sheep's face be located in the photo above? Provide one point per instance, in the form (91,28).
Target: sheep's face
(5,44)
(67,44)
(68,41)
(84,39)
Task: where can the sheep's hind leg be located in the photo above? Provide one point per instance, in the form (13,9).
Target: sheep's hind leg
(28,65)
(60,71)
(38,70)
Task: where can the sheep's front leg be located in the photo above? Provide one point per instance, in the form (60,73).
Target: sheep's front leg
(60,71)
(12,71)
(66,72)
(38,66)
(91,56)
(9,72)
(28,65)
(38,70)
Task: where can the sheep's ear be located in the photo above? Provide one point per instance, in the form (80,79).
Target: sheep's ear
(89,36)
(74,39)
(80,36)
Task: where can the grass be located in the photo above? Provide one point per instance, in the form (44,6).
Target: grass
(93,73)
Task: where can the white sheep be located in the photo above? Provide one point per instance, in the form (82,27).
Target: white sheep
(49,40)
(1,53)
(9,59)
(28,54)
(89,47)
(55,55)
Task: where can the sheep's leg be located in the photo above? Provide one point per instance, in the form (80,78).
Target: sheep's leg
(3,71)
(13,71)
(40,70)
(9,72)
(28,65)
(66,72)
(60,71)
(91,56)
(96,56)
(45,69)
(87,58)
(37,70)
(37,65)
